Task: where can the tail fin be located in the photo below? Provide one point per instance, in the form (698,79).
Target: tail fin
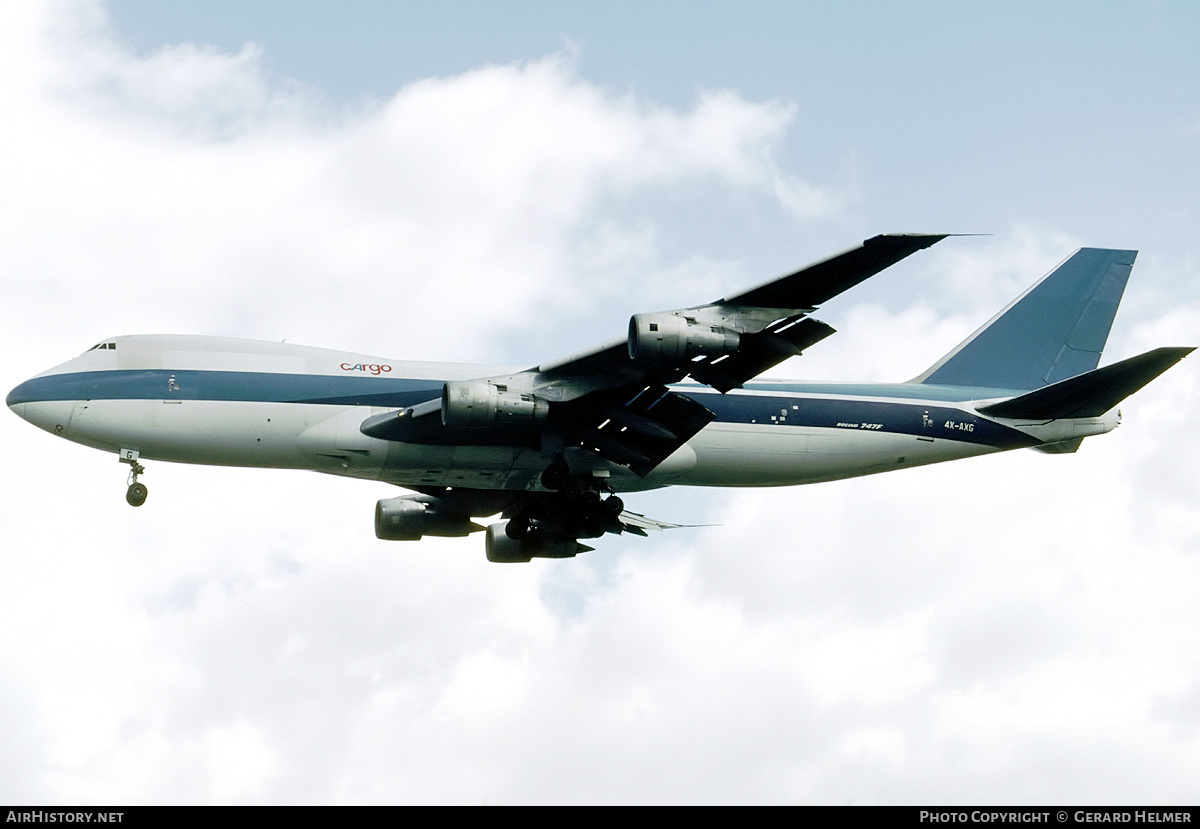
(1092,393)
(1053,331)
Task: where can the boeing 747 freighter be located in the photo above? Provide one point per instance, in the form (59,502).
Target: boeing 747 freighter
(675,402)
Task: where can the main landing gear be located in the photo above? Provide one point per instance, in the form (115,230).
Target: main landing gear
(135,496)
(580,509)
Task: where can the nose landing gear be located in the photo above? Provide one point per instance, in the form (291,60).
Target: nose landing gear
(135,496)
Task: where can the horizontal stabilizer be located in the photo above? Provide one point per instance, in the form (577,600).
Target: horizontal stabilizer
(1090,394)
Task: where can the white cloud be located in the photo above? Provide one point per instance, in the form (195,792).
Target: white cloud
(188,189)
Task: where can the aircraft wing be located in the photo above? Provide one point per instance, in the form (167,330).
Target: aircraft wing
(615,400)
(770,322)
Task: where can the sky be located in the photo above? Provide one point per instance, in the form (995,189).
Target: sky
(506,183)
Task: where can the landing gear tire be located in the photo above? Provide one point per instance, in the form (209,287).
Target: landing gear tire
(556,476)
(136,494)
(517,528)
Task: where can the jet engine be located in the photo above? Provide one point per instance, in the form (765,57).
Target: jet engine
(671,340)
(503,549)
(478,403)
(409,517)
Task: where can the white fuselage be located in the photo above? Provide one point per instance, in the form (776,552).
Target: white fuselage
(234,402)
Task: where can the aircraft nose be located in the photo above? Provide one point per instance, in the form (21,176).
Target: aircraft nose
(15,402)
(17,398)
(52,415)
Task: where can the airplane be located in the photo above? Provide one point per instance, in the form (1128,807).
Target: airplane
(676,401)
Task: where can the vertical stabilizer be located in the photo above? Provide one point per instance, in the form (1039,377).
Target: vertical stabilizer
(1055,330)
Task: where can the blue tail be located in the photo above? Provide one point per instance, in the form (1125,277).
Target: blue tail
(1055,330)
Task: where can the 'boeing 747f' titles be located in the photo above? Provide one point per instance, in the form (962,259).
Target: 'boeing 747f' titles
(674,402)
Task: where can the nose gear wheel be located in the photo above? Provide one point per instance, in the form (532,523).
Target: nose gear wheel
(136,494)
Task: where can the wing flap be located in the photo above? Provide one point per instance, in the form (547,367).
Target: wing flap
(761,351)
(640,433)
(638,524)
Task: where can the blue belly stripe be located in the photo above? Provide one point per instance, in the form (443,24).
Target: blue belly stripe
(247,386)
(918,418)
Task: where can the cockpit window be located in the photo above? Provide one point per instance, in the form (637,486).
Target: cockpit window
(109,346)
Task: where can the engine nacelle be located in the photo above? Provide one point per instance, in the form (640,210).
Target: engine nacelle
(504,550)
(409,517)
(475,404)
(671,340)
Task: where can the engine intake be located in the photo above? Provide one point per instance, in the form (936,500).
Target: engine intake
(475,404)
(671,340)
(409,517)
